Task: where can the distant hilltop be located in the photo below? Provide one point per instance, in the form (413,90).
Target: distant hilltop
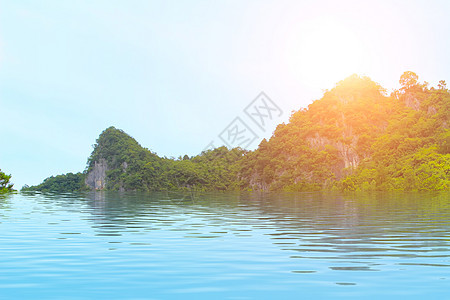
(355,138)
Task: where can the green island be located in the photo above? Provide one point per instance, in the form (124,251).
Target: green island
(355,138)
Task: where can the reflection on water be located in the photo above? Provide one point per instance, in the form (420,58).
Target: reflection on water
(231,245)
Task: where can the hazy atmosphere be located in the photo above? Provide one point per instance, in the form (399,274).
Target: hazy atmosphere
(174,76)
(245,149)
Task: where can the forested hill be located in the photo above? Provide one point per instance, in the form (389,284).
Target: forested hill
(355,137)
(119,162)
(358,138)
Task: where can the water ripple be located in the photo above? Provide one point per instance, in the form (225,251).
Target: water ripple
(231,245)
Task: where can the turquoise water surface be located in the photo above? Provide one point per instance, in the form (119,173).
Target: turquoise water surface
(225,246)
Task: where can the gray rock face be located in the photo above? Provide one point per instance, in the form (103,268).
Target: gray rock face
(412,102)
(96,178)
(348,153)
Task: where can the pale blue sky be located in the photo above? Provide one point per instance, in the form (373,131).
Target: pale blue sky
(174,74)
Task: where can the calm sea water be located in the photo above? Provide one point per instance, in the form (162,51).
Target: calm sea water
(225,246)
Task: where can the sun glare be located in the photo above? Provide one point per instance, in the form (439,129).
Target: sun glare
(325,52)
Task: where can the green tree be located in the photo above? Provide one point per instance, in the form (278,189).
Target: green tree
(355,138)
(61,183)
(408,80)
(442,85)
(5,185)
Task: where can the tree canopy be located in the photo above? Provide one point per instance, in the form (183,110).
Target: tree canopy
(5,185)
(408,80)
(61,183)
(355,137)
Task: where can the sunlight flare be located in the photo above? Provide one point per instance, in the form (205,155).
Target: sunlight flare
(322,55)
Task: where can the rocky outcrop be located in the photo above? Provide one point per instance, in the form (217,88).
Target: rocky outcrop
(96,177)
(412,102)
(347,152)
(432,110)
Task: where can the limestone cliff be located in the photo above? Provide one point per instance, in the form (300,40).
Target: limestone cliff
(116,159)
(323,143)
(96,177)
(347,152)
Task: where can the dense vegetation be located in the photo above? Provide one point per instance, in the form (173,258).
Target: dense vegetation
(5,185)
(358,138)
(61,183)
(320,144)
(132,167)
(355,137)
